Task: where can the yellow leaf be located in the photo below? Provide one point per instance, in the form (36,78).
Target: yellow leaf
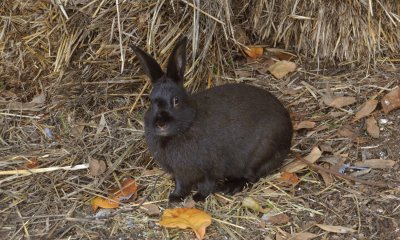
(186,218)
(104,203)
(254,51)
(295,166)
(251,203)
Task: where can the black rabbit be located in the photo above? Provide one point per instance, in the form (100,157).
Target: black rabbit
(228,136)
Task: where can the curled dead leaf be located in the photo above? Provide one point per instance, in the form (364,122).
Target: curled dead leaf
(184,218)
(282,68)
(372,127)
(368,107)
(391,101)
(312,157)
(254,51)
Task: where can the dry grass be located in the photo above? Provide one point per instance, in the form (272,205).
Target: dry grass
(76,53)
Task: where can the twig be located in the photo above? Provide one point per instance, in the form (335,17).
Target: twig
(43,170)
(366,182)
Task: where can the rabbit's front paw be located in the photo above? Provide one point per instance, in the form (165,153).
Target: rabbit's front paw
(198,197)
(176,197)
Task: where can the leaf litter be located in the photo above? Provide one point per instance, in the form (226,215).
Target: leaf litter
(82,83)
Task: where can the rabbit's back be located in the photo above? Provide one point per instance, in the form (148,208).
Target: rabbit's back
(238,129)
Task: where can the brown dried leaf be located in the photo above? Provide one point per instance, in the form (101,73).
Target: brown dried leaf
(376,163)
(328,180)
(335,229)
(77,130)
(391,100)
(295,166)
(96,167)
(279,219)
(304,125)
(339,102)
(372,127)
(35,105)
(303,236)
(346,131)
(152,209)
(366,109)
(282,68)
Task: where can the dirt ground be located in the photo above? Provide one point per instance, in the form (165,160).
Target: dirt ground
(89,123)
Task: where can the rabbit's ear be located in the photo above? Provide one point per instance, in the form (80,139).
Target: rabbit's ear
(177,62)
(149,64)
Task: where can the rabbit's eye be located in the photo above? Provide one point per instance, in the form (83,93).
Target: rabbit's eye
(175,101)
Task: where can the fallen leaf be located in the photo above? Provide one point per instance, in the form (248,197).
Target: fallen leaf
(254,51)
(189,203)
(77,130)
(303,236)
(346,131)
(32,163)
(376,163)
(128,188)
(251,203)
(151,209)
(184,218)
(328,180)
(282,68)
(335,229)
(96,167)
(312,157)
(278,219)
(104,203)
(366,109)
(372,127)
(35,105)
(304,125)
(289,177)
(360,173)
(339,102)
(391,100)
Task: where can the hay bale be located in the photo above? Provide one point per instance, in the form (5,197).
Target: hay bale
(330,30)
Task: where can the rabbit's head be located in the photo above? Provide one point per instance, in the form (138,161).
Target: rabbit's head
(171,111)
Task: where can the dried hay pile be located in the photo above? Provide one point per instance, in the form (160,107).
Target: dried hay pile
(71,91)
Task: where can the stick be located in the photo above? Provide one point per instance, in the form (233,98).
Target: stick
(43,170)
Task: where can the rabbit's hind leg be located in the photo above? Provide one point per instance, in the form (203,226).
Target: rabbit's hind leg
(234,185)
(205,188)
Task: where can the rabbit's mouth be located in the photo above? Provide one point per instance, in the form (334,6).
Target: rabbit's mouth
(162,128)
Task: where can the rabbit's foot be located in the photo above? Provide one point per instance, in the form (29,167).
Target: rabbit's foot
(198,197)
(176,197)
(233,186)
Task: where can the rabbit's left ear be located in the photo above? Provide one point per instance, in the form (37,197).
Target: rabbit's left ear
(177,62)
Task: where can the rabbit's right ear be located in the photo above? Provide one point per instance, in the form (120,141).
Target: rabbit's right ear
(149,64)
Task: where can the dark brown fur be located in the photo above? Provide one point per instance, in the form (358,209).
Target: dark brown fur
(227,136)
